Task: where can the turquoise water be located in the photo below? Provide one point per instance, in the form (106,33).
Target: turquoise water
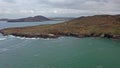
(64,52)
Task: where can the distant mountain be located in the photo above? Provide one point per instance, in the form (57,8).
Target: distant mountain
(4,19)
(30,19)
(91,26)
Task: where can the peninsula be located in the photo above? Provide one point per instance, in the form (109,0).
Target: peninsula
(38,18)
(4,19)
(91,26)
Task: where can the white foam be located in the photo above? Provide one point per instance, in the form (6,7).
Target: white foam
(11,36)
(2,38)
(28,38)
(45,39)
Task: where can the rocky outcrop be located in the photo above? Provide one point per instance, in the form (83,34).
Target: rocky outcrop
(54,35)
(30,19)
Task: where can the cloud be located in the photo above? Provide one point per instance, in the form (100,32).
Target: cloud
(21,8)
(9,1)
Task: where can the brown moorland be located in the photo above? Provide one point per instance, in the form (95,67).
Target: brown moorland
(90,26)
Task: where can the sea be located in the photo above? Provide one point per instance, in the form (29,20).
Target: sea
(63,52)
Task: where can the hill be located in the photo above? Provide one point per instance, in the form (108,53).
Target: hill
(91,26)
(3,19)
(62,18)
(30,19)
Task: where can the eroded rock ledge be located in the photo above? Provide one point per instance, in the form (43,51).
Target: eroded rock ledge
(61,34)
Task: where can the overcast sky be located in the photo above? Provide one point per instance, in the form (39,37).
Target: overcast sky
(56,8)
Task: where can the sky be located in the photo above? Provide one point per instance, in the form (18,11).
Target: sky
(57,8)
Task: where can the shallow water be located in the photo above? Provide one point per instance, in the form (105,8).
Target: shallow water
(64,52)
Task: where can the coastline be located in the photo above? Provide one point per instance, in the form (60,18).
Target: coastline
(53,36)
(106,26)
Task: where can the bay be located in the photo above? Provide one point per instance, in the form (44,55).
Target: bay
(64,52)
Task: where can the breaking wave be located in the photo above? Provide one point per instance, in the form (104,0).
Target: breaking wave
(2,39)
(11,36)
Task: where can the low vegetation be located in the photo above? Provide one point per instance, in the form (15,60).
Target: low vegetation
(91,26)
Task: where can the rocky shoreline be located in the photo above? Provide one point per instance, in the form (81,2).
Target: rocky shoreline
(105,26)
(62,34)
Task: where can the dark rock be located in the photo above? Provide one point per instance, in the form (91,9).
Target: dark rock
(116,36)
(108,35)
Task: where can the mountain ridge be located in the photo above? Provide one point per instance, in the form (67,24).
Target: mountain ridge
(30,19)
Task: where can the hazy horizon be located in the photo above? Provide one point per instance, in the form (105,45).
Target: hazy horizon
(57,8)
